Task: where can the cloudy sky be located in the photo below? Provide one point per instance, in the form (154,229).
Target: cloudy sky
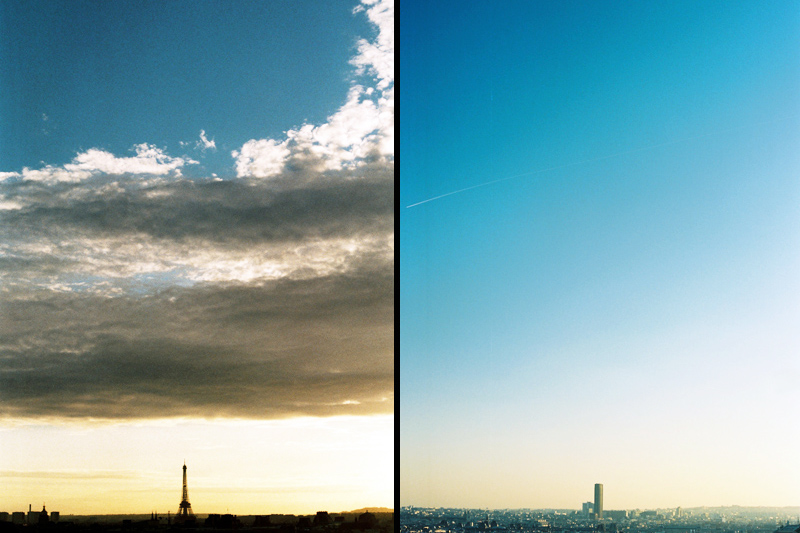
(197,213)
(613,295)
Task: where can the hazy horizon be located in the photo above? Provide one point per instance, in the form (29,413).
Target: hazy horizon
(577,507)
(168,513)
(754,507)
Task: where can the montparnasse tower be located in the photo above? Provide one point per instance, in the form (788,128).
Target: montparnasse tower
(185,508)
(598,500)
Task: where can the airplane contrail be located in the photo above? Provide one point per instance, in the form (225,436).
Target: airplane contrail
(584,161)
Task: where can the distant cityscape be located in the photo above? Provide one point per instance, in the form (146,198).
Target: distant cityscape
(372,520)
(367,520)
(591,517)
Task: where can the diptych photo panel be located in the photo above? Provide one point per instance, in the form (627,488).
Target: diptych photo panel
(599,228)
(197,265)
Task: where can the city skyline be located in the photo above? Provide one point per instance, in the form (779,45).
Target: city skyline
(373,518)
(679,520)
(599,235)
(197,255)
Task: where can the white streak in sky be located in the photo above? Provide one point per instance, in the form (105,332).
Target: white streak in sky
(617,154)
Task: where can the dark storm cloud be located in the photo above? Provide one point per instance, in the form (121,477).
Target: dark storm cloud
(241,210)
(321,346)
(126,298)
(108,226)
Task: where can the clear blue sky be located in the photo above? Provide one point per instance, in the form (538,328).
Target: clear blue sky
(626,312)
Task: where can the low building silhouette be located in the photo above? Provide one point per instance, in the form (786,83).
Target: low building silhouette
(262,521)
(367,521)
(222,521)
(43,517)
(322,518)
(36,518)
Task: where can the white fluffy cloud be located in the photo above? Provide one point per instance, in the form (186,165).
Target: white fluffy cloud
(148,160)
(378,57)
(204,143)
(8,175)
(261,158)
(362,129)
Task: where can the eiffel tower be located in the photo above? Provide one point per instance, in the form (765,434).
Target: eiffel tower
(185,508)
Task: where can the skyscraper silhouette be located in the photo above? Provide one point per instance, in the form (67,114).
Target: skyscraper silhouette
(185,508)
(598,499)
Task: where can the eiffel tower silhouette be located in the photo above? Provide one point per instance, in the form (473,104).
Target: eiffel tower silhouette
(185,508)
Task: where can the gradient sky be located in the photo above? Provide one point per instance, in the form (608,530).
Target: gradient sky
(627,312)
(196,262)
